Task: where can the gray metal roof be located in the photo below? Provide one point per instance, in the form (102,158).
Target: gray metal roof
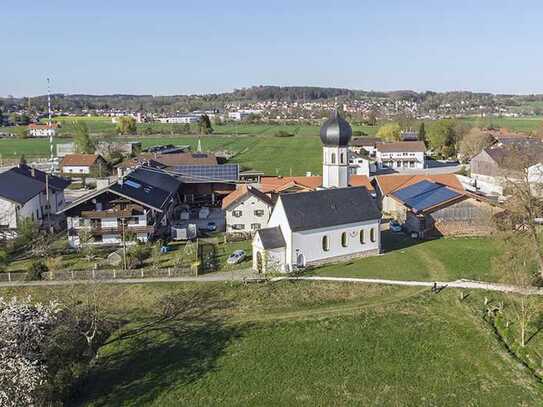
(271,238)
(19,188)
(329,207)
(336,131)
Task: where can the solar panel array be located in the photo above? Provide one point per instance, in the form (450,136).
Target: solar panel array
(425,194)
(206,173)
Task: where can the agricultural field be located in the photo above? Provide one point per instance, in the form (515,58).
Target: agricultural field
(301,343)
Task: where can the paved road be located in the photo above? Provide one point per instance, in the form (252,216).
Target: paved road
(244,275)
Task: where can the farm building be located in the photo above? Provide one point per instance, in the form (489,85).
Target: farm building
(431,209)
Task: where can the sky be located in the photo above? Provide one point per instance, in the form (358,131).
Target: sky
(163,47)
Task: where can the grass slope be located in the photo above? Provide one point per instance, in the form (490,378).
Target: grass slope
(315,344)
(405,259)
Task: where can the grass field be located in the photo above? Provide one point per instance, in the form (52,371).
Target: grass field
(304,344)
(444,259)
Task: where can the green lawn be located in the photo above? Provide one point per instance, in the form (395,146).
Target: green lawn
(304,344)
(444,259)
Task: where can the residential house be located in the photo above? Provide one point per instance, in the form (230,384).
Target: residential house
(402,155)
(28,193)
(368,144)
(42,130)
(361,164)
(83,164)
(136,207)
(431,209)
(408,135)
(246,210)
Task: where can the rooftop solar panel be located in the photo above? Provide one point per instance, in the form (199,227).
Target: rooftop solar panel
(420,187)
(425,194)
(206,173)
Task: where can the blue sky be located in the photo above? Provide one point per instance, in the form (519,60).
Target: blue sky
(184,46)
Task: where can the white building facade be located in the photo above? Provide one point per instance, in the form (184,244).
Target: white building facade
(246,210)
(406,155)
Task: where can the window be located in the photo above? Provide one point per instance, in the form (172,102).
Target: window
(325,243)
(238,226)
(342,158)
(237,214)
(372,234)
(411,164)
(259,212)
(344,239)
(333,158)
(362,238)
(255,226)
(133,220)
(81,222)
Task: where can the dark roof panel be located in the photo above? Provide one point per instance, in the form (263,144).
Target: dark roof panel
(329,207)
(207,173)
(54,182)
(271,238)
(156,178)
(425,195)
(19,188)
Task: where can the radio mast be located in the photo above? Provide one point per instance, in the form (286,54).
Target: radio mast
(49,125)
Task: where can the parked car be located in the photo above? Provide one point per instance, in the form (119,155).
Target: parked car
(211,227)
(395,226)
(237,257)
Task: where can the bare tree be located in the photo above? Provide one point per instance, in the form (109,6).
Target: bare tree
(516,266)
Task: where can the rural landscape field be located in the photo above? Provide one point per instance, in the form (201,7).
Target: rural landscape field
(288,203)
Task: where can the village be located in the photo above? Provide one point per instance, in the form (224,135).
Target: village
(170,197)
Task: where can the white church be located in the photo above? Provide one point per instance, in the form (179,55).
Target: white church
(335,223)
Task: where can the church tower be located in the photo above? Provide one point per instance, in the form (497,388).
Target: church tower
(336,133)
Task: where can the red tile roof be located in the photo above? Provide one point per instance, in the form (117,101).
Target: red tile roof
(278,184)
(243,190)
(390,183)
(83,160)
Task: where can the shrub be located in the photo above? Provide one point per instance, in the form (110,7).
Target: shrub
(35,270)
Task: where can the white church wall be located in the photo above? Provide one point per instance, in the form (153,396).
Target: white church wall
(310,242)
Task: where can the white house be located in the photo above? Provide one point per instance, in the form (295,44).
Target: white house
(82,164)
(246,210)
(186,119)
(330,224)
(367,144)
(361,165)
(27,193)
(402,155)
(42,130)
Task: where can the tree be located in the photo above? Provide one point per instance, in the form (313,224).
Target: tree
(473,143)
(25,329)
(82,140)
(21,132)
(441,137)
(389,132)
(422,133)
(126,125)
(204,124)
(516,266)
(371,120)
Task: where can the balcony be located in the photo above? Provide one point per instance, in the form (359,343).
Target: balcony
(100,231)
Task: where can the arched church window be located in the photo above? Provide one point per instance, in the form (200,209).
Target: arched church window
(325,243)
(372,234)
(344,239)
(333,158)
(342,158)
(362,238)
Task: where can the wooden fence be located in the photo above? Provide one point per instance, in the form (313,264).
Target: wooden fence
(90,275)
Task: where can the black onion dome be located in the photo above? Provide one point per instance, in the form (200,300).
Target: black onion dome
(336,131)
